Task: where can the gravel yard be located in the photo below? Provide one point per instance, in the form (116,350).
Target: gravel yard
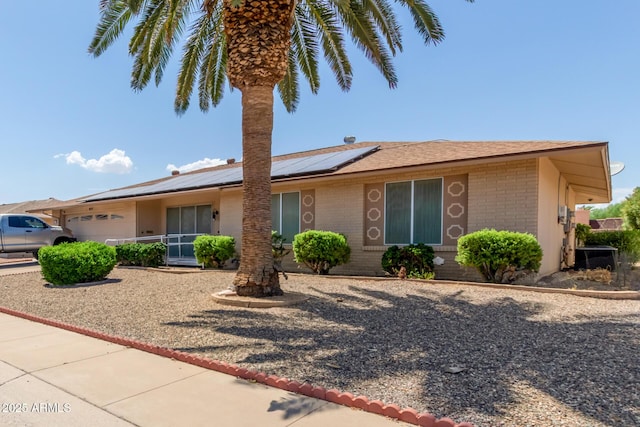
(527,359)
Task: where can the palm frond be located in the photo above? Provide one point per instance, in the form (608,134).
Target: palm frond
(178,13)
(145,42)
(191,58)
(154,39)
(425,20)
(304,47)
(288,86)
(136,5)
(363,33)
(385,19)
(114,16)
(213,66)
(329,32)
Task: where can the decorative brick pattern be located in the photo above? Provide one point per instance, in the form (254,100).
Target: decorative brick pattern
(373,214)
(307,210)
(455,210)
(408,415)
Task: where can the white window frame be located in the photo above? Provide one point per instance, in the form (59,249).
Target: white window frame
(278,227)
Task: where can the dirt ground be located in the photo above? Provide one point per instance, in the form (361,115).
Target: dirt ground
(624,278)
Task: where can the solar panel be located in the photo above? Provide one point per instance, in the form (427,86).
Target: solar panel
(317,163)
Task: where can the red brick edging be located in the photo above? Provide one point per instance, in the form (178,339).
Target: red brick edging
(408,415)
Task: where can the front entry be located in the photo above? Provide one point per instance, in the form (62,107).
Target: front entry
(184,224)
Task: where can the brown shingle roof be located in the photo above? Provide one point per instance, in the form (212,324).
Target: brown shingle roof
(405,154)
(29,206)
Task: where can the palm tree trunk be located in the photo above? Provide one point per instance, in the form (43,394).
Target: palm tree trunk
(256,275)
(258,39)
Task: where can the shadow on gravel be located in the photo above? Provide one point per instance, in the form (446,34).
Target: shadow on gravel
(364,335)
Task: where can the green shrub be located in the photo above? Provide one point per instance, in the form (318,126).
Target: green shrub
(141,254)
(498,255)
(321,250)
(214,251)
(417,259)
(631,210)
(627,242)
(80,262)
(582,232)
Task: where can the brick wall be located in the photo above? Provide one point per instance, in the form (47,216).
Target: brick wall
(504,196)
(500,195)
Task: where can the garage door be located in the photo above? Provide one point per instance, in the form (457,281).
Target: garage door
(102,225)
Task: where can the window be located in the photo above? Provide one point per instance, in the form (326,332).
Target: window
(25,222)
(16,222)
(413,212)
(285,214)
(189,220)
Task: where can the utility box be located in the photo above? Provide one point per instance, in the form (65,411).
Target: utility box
(592,257)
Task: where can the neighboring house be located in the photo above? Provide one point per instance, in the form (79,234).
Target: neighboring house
(43,207)
(606,224)
(378,194)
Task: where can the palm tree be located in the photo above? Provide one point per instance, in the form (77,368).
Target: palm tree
(257,45)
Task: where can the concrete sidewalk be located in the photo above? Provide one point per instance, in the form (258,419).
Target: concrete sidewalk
(54,377)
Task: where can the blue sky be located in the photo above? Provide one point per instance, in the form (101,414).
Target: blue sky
(508,70)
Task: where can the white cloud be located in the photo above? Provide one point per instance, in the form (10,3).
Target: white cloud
(200,164)
(619,194)
(114,162)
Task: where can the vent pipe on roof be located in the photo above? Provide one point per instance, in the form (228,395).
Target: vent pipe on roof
(175,172)
(231,161)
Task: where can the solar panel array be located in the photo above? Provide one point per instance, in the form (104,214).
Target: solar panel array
(279,169)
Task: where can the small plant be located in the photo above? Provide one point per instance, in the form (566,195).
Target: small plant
(81,262)
(499,255)
(428,275)
(582,233)
(417,259)
(279,251)
(141,254)
(321,250)
(214,251)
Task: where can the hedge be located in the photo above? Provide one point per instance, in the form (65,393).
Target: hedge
(321,250)
(498,255)
(79,262)
(214,251)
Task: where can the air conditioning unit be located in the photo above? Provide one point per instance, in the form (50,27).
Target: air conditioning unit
(563,214)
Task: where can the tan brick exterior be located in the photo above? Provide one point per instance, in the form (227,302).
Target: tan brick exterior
(519,195)
(502,196)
